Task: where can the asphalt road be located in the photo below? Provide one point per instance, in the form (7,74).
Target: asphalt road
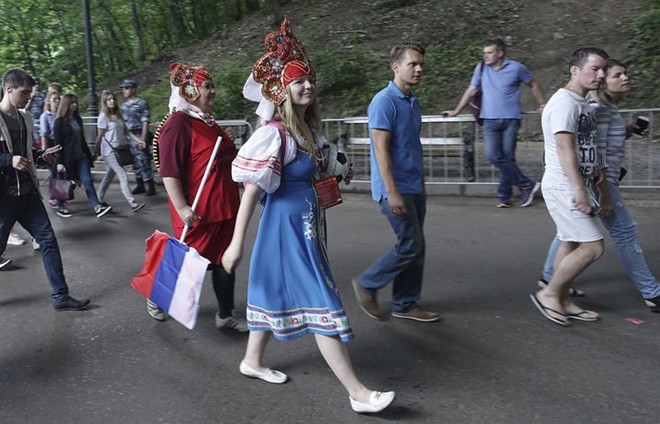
(492,359)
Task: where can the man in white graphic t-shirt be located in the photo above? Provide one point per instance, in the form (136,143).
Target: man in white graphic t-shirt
(573,164)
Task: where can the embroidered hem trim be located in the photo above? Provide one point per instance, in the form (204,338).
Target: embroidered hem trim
(295,323)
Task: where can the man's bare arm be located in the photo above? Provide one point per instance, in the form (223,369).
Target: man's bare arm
(570,166)
(395,201)
(467,95)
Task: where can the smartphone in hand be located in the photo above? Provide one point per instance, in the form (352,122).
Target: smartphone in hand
(53,149)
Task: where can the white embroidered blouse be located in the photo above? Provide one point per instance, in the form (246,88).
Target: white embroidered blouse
(258,160)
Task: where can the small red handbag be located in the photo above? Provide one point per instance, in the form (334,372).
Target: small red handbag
(327,188)
(327,191)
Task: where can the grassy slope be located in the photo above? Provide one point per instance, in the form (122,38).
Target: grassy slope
(541,33)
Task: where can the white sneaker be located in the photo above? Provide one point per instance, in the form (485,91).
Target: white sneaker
(4,261)
(155,311)
(232,322)
(35,245)
(15,240)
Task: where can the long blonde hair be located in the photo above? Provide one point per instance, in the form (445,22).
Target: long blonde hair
(48,104)
(293,124)
(112,114)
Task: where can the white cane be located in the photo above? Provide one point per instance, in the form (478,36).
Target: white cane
(202,184)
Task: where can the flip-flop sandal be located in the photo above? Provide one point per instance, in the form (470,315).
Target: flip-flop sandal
(543,283)
(584,315)
(544,311)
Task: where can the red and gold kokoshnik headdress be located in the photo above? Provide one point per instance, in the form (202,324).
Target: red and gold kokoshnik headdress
(284,61)
(188,79)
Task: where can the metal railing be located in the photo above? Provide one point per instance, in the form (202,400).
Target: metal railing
(449,163)
(454,153)
(239,129)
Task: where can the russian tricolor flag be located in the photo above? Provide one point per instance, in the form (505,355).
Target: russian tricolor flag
(172,277)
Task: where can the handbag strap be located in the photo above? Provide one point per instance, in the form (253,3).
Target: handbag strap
(481,73)
(106,140)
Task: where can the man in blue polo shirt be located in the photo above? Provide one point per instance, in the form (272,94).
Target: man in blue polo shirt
(499,79)
(397,184)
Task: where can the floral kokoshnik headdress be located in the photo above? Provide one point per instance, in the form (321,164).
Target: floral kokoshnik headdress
(285,60)
(188,79)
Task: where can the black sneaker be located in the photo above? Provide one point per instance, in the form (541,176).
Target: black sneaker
(139,188)
(102,211)
(4,262)
(653,304)
(64,212)
(137,206)
(71,304)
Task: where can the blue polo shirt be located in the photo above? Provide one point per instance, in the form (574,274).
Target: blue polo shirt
(501,89)
(400,115)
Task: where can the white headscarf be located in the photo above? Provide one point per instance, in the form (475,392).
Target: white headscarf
(179,103)
(252,92)
(176,101)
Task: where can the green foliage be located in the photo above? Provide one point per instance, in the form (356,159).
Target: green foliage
(229,100)
(158,97)
(46,37)
(642,58)
(447,72)
(349,75)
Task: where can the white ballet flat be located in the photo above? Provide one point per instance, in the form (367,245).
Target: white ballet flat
(270,376)
(377,402)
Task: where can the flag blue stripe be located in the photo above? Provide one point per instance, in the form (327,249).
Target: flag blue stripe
(168,272)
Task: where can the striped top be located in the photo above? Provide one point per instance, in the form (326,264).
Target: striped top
(612,131)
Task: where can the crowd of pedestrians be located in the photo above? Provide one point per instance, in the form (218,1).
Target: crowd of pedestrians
(291,290)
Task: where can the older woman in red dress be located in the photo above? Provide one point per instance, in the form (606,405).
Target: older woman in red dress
(185,143)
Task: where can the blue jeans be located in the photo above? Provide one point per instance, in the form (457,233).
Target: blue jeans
(83,170)
(141,160)
(29,211)
(500,138)
(623,231)
(404,263)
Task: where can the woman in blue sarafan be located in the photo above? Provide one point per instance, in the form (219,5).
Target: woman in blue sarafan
(291,291)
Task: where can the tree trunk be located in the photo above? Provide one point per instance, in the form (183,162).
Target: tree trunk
(273,8)
(117,40)
(252,5)
(199,12)
(139,33)
(176,9)
(239,10)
